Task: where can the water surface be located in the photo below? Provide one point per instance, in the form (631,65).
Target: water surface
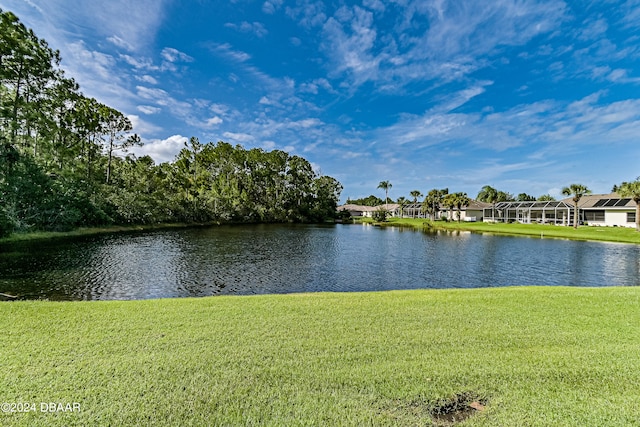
(259,259)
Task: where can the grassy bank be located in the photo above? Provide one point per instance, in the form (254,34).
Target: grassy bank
(89,231)
(532,356)
(608,234)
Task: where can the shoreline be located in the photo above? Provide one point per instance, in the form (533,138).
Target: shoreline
(582,233)
(108,229)
(92,231)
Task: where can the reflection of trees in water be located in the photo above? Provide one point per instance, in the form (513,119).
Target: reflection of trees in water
(51,269)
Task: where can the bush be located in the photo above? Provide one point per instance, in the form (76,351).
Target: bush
(380,215)
(344,215)
(6,224)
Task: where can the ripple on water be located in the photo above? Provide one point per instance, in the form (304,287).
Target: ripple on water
(260,259)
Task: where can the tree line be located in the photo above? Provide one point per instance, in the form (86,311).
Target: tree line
(62,161)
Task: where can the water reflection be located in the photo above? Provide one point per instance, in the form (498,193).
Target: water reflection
(260,259)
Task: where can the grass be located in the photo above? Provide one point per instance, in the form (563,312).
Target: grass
(534,356)
(89,231)
(608,234)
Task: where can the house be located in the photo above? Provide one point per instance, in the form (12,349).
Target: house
(539,211)
(367,211)
(594,209)
(357,210)
(472,212)
(608,210)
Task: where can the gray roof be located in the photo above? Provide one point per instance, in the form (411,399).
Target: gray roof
(535,204)
(473,205)
(359,208)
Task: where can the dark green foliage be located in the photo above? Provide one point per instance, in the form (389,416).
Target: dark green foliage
(326,192)
(367,201)
(380,215)
(344,215)
(6,225)
(433,201)
(60,169)
(524,197)
(223,182)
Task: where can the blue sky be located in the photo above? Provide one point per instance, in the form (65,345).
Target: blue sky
(523,95)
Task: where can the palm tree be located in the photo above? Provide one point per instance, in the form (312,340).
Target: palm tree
(461,199)
(433,201)
(386,186)
(489,194)
(415,194)
(402,203)
(450,201)
(632,190)
(577,191)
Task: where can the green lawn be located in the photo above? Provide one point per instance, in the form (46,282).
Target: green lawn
(534,356)
(609,234)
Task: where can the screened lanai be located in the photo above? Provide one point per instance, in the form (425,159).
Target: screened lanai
(414,210)
(543,212)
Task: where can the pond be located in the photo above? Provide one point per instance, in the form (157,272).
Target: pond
(261,259)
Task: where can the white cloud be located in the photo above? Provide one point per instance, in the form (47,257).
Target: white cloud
(592,30)
(312,87)
(120,43)
(171,57)
(308,13)
(256,28)
(98,63)
(271,6)
(140,63)
(439,41)
(304,124)
(147,109)
(170,54)
(266,101)
(220,109)
(226,50)
(376,5)
(147,79)
(163,98)
(141,126)
(349,40)
(161,150)
(99,76)
(238,137)
(126,24)
(268,145)
(214,121)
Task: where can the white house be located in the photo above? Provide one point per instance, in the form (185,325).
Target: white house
(609,210)
(472,212)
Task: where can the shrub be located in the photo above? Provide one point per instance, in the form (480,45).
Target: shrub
(6,224)
(380,215)
(344,215)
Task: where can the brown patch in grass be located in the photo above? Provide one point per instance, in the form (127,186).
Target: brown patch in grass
(442,413)
(456,409)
